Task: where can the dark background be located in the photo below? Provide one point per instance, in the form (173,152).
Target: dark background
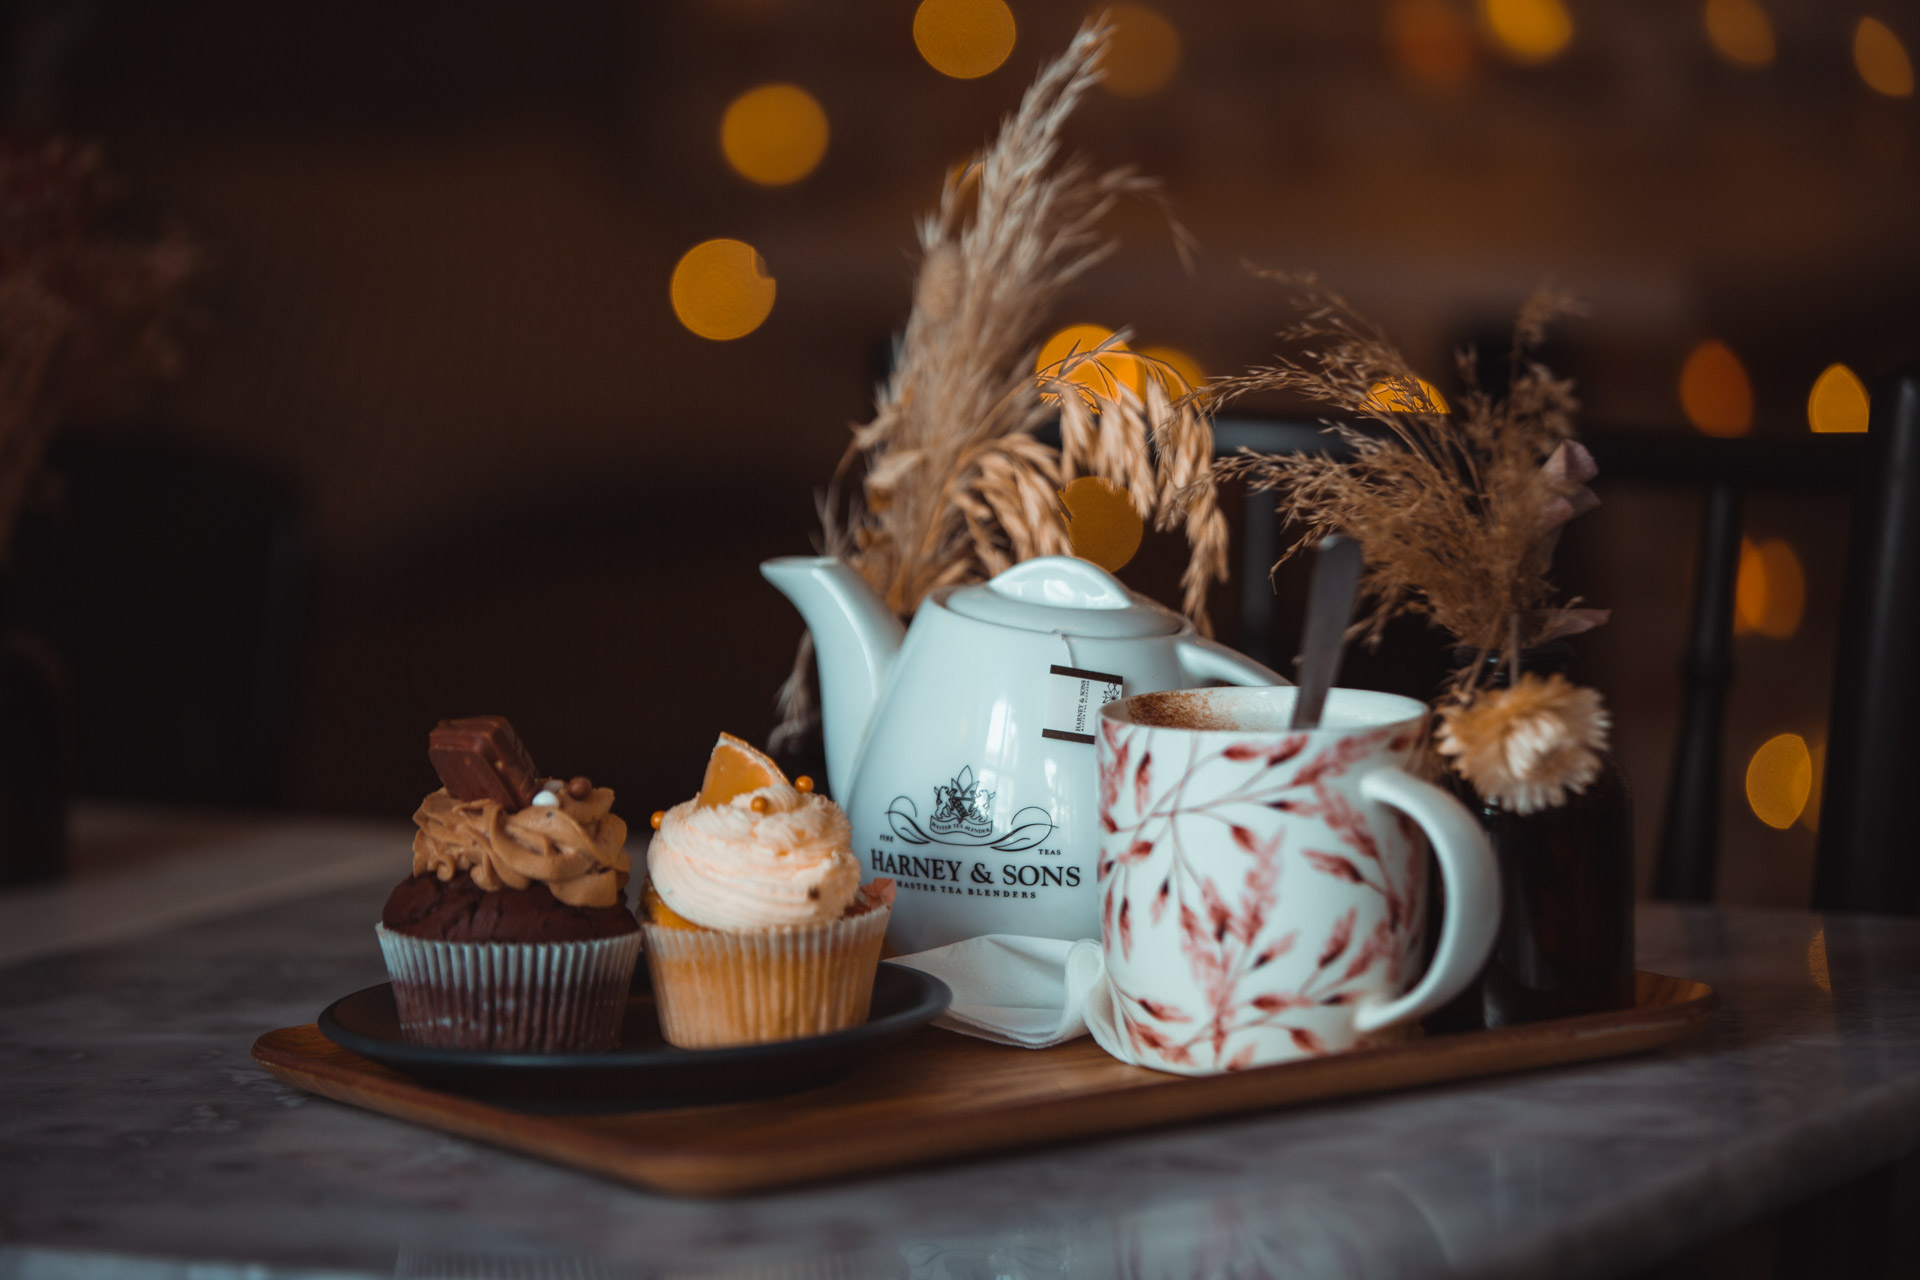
(441,447)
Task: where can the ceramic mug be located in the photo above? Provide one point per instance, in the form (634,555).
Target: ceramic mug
(1262,890)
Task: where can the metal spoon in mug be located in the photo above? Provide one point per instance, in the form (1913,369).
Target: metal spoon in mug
(1336,578)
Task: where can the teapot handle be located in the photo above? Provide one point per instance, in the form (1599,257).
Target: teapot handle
(1203,659)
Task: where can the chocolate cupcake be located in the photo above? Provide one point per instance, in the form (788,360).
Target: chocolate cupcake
(512,934)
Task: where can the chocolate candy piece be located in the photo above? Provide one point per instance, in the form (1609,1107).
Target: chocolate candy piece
(580,788)
(481,758)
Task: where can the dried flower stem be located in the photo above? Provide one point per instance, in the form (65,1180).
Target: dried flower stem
(1454,510)
(1457,512)
(949,482)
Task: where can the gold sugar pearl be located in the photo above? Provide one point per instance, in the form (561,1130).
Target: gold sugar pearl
(759,804)
(659,816)
(803,784)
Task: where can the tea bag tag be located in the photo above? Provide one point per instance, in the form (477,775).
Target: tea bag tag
(1074,698)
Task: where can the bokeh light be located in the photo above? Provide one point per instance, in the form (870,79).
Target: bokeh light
(1394,398)
(1881,59)
(1810,816)
(1740,32)
(1838,403)
(1714,390)
(1115,367)
(1143,53)
(1779,778)
(1431,41)
(1528,31)
(721,289)
(1101,522)
(1770,589)
(774,135)
(1178,372)
(965,39)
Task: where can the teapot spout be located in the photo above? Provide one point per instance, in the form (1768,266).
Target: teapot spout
(855,638)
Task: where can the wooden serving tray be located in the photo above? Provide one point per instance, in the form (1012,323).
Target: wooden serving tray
(940,1096)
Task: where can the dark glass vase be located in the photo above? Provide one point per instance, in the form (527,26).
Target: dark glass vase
(1566,879)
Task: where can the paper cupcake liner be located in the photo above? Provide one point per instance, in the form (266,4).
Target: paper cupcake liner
(511,997)
(716,988)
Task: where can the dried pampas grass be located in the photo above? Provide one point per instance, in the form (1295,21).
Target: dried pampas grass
(1456,511)
(949,483)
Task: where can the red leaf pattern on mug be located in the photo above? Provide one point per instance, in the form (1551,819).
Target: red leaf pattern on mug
(1372,949)
(1339,757)
(1219,919)
(1190,930)
(1163,1011)
(1277,1003)
(1336,941)
(1224,938)
(1287,750)
(1111,770)
(1277,950)
(1145,1037)
(1335,865)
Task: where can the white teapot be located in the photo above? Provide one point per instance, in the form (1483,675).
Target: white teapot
(962,750)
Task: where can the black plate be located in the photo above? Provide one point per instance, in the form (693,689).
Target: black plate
(644,1071)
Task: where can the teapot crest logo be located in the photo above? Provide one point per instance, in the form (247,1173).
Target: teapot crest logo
(961,806)
(962,815)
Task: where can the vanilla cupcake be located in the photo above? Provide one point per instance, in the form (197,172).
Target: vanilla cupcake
(757,926)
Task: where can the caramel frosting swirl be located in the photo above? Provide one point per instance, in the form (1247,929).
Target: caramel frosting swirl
(733,867)
(574,847)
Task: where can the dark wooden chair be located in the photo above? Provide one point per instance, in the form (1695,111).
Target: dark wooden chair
(1866,862)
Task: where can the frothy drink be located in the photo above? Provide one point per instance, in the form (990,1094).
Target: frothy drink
(1248,710)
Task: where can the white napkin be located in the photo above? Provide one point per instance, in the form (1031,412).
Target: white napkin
(1097,1013)
(1031,992)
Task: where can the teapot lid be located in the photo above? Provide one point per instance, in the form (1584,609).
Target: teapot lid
(1067,595)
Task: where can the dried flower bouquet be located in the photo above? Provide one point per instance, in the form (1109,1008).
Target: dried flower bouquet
(1457,510)
(85,312)
(950,482)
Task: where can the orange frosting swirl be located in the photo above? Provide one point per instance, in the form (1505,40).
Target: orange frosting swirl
(574,847)
(734,867)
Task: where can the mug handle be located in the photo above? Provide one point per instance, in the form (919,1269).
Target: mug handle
(1473,894)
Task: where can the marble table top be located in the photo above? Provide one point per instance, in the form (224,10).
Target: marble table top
(137,1137)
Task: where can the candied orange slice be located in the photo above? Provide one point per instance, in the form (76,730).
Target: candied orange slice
(734,769)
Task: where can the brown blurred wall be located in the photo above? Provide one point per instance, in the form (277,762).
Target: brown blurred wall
(441,236)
